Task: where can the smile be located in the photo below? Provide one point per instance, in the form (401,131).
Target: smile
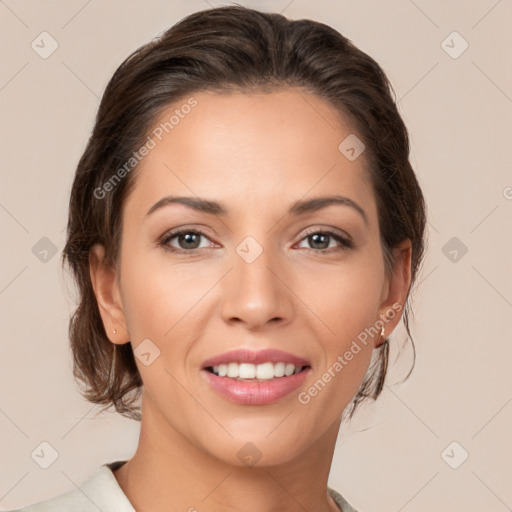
(249,377)
(264,371)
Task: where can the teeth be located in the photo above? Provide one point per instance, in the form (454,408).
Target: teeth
(279,369)
(264,371)
(232,370)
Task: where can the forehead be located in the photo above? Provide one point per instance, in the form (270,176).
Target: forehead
(271,147)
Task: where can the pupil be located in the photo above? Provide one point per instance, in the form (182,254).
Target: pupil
(190,240)
(321,239)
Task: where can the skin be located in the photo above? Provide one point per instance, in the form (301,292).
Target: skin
(256,154)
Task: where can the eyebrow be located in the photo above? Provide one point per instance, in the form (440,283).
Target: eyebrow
(298,208)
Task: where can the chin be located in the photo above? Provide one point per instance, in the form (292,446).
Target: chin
(264,447)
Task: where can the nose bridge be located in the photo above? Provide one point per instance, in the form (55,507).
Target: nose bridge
(252,293)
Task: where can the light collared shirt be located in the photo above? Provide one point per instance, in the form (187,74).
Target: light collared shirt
(102,492)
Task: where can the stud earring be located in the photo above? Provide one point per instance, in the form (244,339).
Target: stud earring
(115,331)
(381,333)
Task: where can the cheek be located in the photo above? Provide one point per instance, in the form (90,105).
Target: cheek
(157,295)
(158,304)
(345,298)
(347,305)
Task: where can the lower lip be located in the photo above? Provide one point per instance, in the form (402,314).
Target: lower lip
(255,393)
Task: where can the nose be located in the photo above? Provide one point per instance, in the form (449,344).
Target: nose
(256,295)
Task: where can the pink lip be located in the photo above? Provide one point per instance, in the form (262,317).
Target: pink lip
(255,357)
(250,392)
(246,392)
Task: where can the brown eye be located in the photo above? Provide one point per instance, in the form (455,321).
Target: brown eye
(185,240)
(326,241)
(319,240)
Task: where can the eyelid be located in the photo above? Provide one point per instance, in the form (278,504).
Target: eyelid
(327,230)
(175,232)
(344,241)
(342,237)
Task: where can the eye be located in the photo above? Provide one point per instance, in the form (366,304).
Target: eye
(326,241)
(190,240)
(186,240)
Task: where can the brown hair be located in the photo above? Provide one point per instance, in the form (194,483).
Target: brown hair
(227,49)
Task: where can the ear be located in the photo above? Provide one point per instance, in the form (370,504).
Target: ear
(106,289)
(395,290)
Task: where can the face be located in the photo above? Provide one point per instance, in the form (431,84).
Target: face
(274,253)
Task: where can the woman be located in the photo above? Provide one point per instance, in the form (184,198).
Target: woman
(244,229)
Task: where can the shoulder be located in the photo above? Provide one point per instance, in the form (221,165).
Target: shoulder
(341,501)
(100,492)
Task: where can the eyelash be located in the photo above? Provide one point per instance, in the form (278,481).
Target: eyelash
(164,241)
(344,242)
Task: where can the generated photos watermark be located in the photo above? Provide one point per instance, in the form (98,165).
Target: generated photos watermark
(304,397)
(151,143)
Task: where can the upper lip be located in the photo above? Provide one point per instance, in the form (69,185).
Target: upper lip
(255,357)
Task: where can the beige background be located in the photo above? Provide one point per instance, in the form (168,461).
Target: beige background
(458,111)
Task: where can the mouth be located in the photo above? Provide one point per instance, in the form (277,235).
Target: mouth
(254,373)
(255,378)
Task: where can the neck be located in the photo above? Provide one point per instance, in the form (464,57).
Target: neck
(169,470)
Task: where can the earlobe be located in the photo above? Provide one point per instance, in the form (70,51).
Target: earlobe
(106,290)
(391,309)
